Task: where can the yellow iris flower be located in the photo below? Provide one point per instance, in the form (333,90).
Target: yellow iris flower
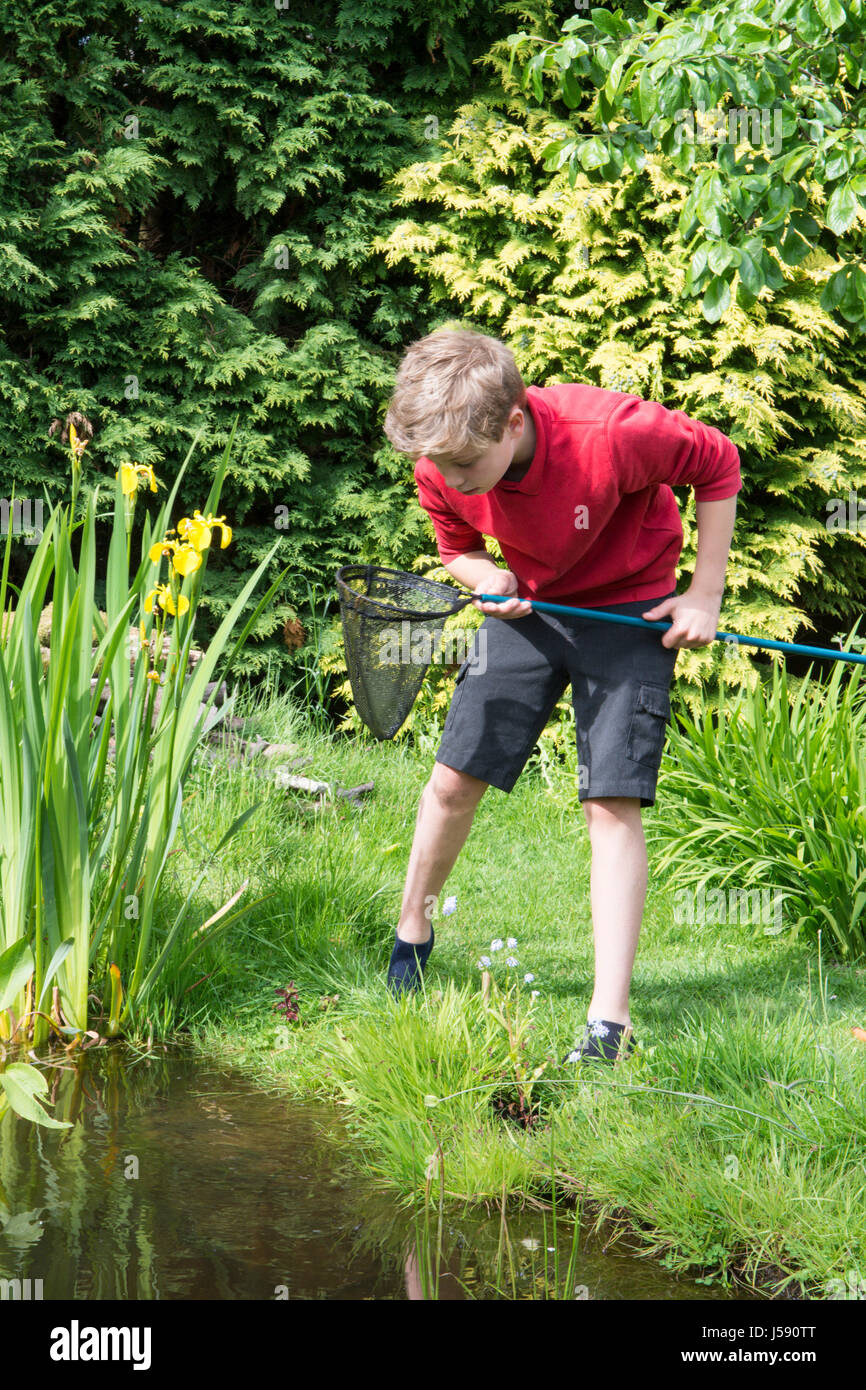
(165,600)
(194,536)
(198,530)
(132,473)
(186,560)
(184,557)
(76,445)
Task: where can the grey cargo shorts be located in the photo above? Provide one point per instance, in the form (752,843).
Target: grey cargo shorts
(508,687)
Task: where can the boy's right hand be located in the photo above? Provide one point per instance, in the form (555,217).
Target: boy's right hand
(502,582)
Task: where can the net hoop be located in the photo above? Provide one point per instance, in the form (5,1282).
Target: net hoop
(372,607)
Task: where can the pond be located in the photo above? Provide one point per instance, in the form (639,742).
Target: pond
(183,1180)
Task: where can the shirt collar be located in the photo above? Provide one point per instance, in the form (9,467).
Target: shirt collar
(531,480)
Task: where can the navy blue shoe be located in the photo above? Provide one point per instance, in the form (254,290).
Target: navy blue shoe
(407,963)
(602,1042)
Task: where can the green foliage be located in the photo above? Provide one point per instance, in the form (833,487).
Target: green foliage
(589,282)
(189,199)
(312,683)
(86,831)
(714,1024)
(769,792)
(791,70)
(23,1089)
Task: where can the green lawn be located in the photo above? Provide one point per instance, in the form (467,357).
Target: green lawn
(730,1144)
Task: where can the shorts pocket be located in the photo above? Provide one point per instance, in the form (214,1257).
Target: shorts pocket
(646,735)
(459,687)
(462,672)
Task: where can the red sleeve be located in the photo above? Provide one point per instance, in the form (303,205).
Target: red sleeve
(650,444)
(454,536)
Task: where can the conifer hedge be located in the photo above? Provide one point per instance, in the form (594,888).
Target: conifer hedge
(188,195)
(586,283)
(215,213)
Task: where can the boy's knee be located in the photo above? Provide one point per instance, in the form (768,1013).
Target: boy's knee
(455,791)
(608,811)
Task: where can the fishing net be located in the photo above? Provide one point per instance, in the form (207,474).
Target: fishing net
(392,629)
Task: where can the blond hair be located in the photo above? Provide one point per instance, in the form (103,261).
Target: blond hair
(454,392)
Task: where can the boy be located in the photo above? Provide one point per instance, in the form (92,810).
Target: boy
(574,483)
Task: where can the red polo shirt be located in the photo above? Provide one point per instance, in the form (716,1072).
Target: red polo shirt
(593,521)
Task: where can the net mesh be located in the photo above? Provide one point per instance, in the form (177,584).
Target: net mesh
(392,625)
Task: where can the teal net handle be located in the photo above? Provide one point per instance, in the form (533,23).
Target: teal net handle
(765,642)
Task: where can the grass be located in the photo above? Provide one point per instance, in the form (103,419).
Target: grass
(728,1147)
(776,781)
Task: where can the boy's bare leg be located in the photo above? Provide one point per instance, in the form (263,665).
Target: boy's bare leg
(618,884)
(445,812)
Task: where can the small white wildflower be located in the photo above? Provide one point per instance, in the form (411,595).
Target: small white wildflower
(512,941)
(449,906)
(527,979)
(512,961)
(496,945)
(535,993)
(485,960)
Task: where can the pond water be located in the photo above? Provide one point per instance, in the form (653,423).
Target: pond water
(182,1180)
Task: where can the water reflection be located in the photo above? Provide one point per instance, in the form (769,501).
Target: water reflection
(181,1180)
(450,1285)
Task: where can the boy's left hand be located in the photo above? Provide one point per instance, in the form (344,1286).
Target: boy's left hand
(694,618)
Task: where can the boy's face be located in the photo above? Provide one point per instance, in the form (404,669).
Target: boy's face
(516,447)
